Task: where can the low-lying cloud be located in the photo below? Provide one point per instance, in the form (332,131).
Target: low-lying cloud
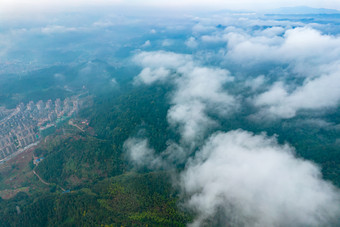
(314,94)
(197,90)
(237,178)
(233,178)
(305,53)
(303,48)
(141,155)
(257,182)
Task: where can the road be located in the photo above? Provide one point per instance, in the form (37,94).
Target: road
(44,182)
(9,117)
(70,122)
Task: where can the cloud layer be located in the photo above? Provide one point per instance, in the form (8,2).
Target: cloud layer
(304,53)
(197,90)
(237,178)
(141,155)
(257,182)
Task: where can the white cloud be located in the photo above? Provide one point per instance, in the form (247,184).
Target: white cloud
(164,59)
(140,154)
(198,90)
(203,28)
(318,93)
(149,75)
(58,29)
(256,82)
(203,83)
(237,177)
(167,43)
(113,82)
(307,54)
(272,31)
(146,44)
(305,49)
(191,42)
(214,38)
(256,182)
(192,120)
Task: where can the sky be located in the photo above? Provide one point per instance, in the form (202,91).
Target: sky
(14,7)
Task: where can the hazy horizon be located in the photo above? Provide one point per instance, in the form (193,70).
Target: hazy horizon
(17,8)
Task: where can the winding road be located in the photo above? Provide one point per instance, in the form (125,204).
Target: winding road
(44,182)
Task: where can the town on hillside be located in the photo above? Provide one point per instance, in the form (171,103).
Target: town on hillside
(23,126)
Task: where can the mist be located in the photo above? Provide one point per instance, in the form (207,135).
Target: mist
(236,83)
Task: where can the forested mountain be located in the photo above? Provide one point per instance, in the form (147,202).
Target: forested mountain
(170,118)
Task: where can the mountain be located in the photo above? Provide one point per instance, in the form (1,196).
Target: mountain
(302,10)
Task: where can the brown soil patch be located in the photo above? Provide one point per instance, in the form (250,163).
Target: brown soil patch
(8,194)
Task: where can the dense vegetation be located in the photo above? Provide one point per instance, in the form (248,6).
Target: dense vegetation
(104,189)
(130,199)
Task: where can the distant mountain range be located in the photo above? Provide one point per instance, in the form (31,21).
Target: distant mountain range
(302,10)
